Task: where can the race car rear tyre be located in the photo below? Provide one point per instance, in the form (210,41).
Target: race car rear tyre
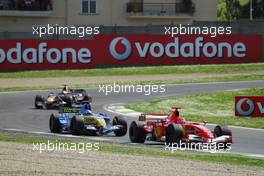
(119,120)
(41,99)
(68,101)
(174,134)
(84,93)
(137,133)
(87,98)
(221,130)
(77,125)
(54,123)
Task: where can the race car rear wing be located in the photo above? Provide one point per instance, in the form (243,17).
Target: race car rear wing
(145,117)
(69,110)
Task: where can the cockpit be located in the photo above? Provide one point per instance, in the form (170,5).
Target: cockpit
(86,109)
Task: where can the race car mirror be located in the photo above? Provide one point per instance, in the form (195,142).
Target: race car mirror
(142,118)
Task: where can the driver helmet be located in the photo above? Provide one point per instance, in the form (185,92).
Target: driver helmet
(66,89)
(176,117)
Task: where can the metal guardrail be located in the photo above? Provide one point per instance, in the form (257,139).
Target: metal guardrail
(238,27)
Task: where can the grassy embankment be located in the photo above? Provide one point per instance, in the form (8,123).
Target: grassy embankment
(183,74)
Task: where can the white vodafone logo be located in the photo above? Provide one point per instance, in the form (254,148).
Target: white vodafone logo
(125,54)
(176,49)
(43,53)
(250,109)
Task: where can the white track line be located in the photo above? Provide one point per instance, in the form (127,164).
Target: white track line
(114,110)
(60,135)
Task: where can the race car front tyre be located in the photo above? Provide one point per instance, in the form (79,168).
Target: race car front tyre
(174,134)
(68,100)
(54,123)
(90,133)
(39,102)
(119,120)
(137,133)
(81,91)
(87,98)
(77,125)
(221,130)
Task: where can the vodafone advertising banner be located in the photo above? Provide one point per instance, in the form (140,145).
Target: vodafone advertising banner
(129,50)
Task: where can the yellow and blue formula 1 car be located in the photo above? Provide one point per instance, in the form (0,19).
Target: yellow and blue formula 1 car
(82,121)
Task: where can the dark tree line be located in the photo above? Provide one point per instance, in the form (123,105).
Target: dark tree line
(229,10)
(258,10)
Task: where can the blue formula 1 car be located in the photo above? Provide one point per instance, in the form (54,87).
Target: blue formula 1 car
(82,121)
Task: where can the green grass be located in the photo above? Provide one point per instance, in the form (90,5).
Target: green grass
(215,107)
(147,70)
(206,79)
(21,137)
(11,89)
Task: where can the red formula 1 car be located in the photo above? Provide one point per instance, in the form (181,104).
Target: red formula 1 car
(172,128)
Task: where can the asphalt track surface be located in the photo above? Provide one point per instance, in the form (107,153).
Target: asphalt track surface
(17,112)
